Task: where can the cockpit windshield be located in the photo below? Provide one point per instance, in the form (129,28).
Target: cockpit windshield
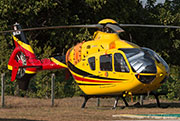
(140,61)
(158,58)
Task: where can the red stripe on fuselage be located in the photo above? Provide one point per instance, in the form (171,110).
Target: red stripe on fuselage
(90,80)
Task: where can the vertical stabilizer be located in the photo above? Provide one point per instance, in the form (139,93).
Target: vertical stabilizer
(23,62)
(20,58)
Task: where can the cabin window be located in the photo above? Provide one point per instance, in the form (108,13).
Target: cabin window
(119,63)
(106,62)
(92,63)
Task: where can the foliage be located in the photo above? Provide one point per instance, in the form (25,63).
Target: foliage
(46,43)
(173,83)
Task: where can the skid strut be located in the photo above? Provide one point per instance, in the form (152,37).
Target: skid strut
(157,99)
(125,102)
(115,103)
(86,98)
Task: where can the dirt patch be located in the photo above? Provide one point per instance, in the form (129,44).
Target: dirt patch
(33,109)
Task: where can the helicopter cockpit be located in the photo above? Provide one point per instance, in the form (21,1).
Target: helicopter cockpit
(142,60)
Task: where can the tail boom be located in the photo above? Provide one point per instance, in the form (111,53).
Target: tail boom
(34,65)
(23,62)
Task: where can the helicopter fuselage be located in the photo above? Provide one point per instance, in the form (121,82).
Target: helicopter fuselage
(108,65)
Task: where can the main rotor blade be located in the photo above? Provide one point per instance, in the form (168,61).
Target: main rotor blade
(152,26)
(98,26)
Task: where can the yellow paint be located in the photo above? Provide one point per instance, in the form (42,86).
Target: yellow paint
(104,21)
(9,67)
(30,72)
(24,45)
(116,87)
(58,62)
(27,71)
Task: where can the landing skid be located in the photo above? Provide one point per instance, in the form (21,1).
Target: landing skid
(87,97)
(156,95)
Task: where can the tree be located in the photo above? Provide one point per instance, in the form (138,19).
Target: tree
(34,13)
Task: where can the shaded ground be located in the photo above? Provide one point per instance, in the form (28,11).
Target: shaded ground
(31,109)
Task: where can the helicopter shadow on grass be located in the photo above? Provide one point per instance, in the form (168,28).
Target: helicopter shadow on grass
(6,119)
(154,105)
(150,105)
(27,106)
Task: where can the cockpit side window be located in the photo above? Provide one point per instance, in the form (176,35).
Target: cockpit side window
(106,62)
(119,63)
(92,63)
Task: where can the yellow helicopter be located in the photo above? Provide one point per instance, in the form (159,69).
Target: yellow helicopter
(104,66)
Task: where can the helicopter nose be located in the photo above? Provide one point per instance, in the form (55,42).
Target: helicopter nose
(146,64)
(145,68)
(163,67)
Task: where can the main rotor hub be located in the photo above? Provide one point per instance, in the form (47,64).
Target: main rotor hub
(110,26)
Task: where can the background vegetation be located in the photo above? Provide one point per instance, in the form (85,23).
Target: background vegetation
(36,13)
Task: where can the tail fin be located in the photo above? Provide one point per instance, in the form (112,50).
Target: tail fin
(20,58)
(23,62)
